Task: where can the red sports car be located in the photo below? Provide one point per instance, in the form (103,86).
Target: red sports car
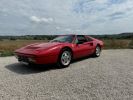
(61,50)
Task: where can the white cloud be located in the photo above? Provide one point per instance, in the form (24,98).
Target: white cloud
(35,19)
(68,29)
(43,19)
(66,16)
(47,20)
(101,1)
(77,30)
(58,27)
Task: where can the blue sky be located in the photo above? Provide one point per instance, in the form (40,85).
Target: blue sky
(26,17)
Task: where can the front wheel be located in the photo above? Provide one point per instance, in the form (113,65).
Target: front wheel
(65,58)
(97,51)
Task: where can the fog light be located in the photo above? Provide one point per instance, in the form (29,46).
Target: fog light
(31,60)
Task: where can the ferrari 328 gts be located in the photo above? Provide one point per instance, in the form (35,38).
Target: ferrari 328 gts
(61,50)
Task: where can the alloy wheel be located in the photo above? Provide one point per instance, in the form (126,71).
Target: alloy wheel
(66,58)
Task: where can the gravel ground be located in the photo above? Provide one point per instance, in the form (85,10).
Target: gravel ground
(109,77)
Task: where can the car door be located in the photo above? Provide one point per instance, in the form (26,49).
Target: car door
(82,46)
(90,43)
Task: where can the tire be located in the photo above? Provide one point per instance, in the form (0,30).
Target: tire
(65,58)
(97,51)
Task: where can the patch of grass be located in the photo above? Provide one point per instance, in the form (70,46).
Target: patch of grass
(116,43)
(131,44)
(6,53)
(7,47)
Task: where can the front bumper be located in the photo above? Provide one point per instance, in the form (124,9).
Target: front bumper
(36,59)
(25,58)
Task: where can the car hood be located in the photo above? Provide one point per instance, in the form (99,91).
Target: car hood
(37,47)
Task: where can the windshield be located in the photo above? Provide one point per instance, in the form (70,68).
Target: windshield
(66,38)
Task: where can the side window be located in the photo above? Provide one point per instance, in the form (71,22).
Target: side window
(89,39)
(81,39)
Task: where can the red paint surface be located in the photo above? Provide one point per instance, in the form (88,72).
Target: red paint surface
(46,53)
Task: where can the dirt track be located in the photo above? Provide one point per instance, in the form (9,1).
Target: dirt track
(109,77)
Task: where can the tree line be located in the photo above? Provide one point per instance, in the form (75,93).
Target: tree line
(49,37)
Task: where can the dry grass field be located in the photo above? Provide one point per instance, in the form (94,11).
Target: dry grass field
(8,46)
(116,43)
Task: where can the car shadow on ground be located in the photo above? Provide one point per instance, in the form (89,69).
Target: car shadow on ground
(82,59)
(21,68)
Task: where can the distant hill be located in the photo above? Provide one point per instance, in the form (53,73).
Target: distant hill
(126,34)
(49,37)
(115,36)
